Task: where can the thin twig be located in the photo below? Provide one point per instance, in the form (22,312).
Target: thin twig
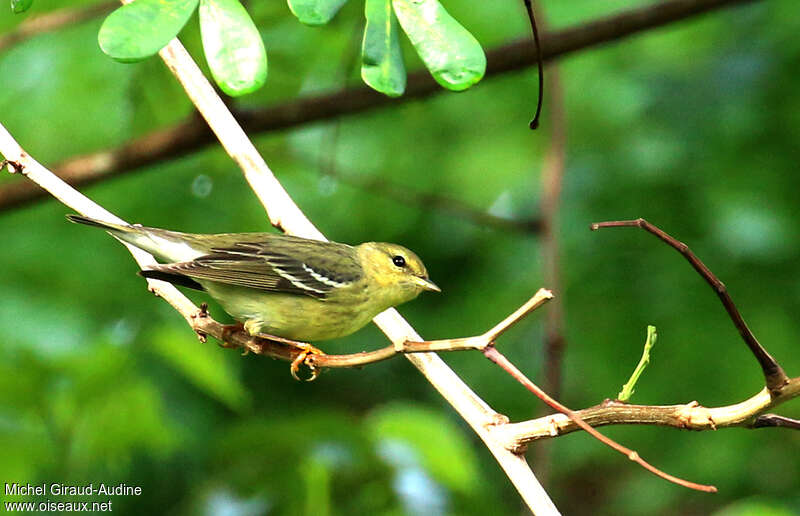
(479,342)
(498,358)
(552,178)
(192,135)
(22,162)
(773,373)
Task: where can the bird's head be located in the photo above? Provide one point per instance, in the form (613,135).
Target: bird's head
(395,270)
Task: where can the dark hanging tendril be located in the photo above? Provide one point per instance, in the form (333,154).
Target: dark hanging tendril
(535,122)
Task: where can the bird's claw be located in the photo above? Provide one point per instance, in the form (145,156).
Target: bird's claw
(306,349)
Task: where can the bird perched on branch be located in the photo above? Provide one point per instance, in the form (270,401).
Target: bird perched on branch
(283,286)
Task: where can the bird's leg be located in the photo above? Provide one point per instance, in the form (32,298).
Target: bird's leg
(305,350)
(304,347)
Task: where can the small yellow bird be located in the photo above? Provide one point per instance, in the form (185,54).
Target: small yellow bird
(280,285)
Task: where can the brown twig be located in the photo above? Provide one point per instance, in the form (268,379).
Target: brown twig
(206,325)
(552,177)
(774,420)
(53,21)
(773,373)
(551,180)
(192,135)
(498,358)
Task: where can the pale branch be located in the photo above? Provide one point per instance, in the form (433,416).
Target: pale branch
(774,375)
(498,358)
(18,161)
(53,21)
(689,416)
(284,214)
(192,135)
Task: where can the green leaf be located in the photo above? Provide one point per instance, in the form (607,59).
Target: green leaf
(453,55)
(233,47)
(382,65)
(140,29)
(445,451)
(315,12)
(20,6)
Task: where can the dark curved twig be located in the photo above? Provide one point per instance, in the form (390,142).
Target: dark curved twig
(773,373)
(534,123)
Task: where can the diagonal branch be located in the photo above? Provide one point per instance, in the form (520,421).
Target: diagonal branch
(192,135)
(773,373)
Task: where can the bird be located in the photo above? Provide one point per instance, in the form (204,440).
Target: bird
(282,287)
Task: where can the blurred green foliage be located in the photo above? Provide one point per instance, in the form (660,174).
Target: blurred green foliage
(693,126)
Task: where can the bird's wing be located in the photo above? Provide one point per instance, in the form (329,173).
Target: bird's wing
(305,271)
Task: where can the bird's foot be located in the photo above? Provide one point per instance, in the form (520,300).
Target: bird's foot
(305,350)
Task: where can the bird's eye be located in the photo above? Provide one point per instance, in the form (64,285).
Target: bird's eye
(399,261)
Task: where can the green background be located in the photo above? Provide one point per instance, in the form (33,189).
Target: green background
(694,126)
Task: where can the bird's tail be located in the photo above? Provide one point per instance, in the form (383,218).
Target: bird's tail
(134,235)
(165,245)
(108,226)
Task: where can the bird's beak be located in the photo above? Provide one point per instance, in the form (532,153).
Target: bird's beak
(426,284)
